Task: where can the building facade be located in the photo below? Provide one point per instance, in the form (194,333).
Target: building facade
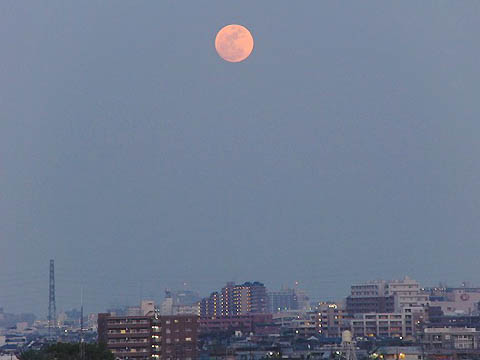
(235,300)
(370,304)
(332,320)
(149,336)
(282,300)
(244,323)
(407,293)
(386,325)
(454,343)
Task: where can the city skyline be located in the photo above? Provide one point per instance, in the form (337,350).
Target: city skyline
(141,292)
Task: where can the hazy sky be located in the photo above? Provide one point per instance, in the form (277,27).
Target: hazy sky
(345,148)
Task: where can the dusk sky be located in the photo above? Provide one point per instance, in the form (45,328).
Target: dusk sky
(345,148)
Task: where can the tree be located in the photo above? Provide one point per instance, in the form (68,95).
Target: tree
(68,351)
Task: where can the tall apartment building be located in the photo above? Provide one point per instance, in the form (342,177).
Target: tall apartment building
(210,307)
(234,300)
(149,336)
(257,297)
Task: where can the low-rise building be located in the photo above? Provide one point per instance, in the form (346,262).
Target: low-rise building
(383,325)
(399,353)
(451,341)
(244,323)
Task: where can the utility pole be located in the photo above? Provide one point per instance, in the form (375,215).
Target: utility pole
(52,307)
(82,339)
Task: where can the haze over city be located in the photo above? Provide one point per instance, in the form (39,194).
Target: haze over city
(343,149)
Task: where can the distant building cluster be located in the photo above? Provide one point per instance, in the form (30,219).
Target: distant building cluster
(379,319)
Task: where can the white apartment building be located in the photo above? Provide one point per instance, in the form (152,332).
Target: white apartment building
(407,294)
(388,325)
(373,288)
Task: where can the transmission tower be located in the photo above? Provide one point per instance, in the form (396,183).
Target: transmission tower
(52,308)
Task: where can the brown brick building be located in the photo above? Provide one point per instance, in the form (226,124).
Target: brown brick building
(150,336)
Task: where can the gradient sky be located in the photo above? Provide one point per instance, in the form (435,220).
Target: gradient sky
(346,148)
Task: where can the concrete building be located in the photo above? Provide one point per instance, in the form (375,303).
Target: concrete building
(332,319)
(407,293)
(459,301)
(386,325)
(370,304)
(399,353)
(378,295)
(149,336)
(244,323)
(282,300)
(441,340)
(297,322)
(370,289)
(437,319)
(147,307)
(180,302)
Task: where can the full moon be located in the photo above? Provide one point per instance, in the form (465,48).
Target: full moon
(234,43)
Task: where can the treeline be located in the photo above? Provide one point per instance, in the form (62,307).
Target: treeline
(68,351)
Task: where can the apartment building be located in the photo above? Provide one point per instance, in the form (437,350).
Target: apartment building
(244,323)
(332,319)
(234,300)
(437,340)
(387,296)
(407,293)
(149,336)
(387,325)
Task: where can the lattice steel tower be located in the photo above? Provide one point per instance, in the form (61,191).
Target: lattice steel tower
(52,308)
